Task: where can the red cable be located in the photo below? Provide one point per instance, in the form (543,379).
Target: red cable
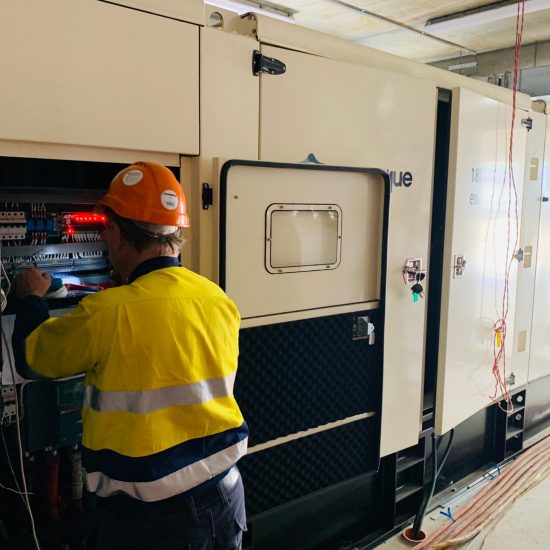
(499,352)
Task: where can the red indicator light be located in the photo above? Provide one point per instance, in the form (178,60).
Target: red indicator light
(70,230)
(87,218)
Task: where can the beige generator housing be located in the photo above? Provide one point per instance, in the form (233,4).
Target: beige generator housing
(361,210)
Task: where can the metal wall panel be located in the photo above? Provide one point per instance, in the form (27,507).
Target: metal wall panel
(191,11)
(480,203)
(230,96)
(96,74)
(355,116)
(539,362)
(293,37)
(531,206)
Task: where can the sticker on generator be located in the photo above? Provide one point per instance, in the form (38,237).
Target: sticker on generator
(169,199)
(132,177)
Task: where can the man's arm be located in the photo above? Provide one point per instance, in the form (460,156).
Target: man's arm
(31,311)
(44,346)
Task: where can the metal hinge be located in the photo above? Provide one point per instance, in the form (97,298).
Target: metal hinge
(527,123)
(263,64)
(207,196)
(459,266)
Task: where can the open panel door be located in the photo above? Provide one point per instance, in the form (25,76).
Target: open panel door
(352,115)
(480,238)
(539,362)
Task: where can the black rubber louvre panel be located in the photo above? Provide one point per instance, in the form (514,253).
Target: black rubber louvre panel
(303,374)
(281,474)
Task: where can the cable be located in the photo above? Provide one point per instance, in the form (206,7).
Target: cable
(4,293)
(522,474)
(19,492)
(500,327)
(6,276)
(436,470)
(474,540)
(497,514)
(446,452)
(20,445)
(3,300)
(417,525)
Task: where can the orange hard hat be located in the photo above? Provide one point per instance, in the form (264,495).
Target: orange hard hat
(147,192)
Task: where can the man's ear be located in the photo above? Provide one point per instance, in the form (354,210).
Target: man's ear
(116,236)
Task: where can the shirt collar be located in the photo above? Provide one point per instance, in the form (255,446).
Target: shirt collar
(153,264)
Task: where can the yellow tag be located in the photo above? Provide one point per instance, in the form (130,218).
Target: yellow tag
(498,338)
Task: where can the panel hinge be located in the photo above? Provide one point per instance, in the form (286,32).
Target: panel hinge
(207,196)
(459,266)
(527,123)
(263,64)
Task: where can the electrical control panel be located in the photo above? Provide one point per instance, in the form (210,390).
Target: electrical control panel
(47,221)
(56,232)
(52,233)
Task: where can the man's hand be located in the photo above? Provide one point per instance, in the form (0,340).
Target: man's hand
(31,282)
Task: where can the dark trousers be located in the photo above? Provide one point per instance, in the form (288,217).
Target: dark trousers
(214,520)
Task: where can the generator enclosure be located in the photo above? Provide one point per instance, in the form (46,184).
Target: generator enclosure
(385,250)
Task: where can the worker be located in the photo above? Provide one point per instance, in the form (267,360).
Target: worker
(162,431)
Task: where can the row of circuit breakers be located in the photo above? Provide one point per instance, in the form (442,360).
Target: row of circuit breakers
(56,240)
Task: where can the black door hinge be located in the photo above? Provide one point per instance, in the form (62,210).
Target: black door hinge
(527,123)
(263,64)
(207,196)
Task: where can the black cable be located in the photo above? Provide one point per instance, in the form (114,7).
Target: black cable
(417,525)
(428,492)
(447,451)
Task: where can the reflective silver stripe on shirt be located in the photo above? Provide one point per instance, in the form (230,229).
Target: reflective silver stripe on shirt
(172,484)
(147,401)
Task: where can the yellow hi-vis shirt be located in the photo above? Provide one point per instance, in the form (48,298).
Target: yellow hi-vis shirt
(160,357)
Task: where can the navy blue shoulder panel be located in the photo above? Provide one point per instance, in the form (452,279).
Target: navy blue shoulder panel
(152,264)
(152,467)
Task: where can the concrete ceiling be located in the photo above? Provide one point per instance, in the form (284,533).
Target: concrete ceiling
(480,33)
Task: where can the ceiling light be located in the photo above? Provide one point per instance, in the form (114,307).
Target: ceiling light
(421,32)
(256,6)
(479,16)
(460,66)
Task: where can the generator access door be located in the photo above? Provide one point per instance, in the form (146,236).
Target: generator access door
(301,240)
(303,256)
(479,265)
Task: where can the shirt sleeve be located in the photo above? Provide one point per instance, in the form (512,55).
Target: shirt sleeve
(52,347)
(31,312)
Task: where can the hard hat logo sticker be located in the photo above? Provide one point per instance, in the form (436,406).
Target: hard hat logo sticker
(169,199)
(132,177)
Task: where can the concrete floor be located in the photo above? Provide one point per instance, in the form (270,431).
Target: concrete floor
(525,526)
